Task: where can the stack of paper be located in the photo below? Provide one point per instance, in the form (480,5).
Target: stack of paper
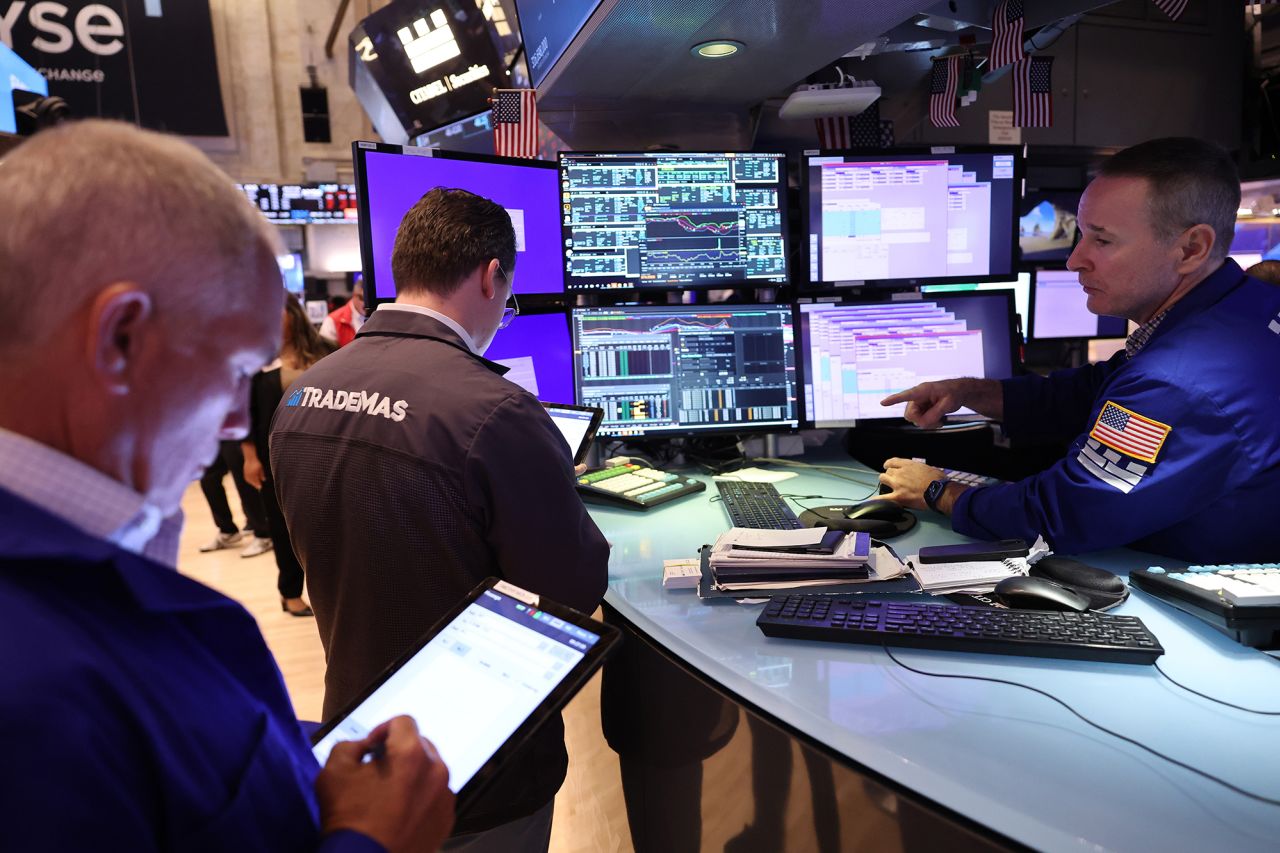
(744,558)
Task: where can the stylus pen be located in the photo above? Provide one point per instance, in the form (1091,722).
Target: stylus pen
(377,751)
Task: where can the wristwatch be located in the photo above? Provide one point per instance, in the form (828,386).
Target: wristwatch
(933,493)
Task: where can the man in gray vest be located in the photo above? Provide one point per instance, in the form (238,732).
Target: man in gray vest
(409,470)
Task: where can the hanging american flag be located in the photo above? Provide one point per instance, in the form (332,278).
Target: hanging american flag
(944,79)
(515,123)
(1006,28)
(1033,92)
(1172,8)
(834,132)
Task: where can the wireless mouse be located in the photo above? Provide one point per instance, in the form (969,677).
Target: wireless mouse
(1023,593)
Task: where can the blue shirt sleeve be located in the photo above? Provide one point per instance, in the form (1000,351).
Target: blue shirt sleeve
(1105,493)
(1054,406)
(347,841)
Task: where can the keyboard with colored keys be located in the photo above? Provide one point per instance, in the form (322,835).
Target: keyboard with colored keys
(635,486)
(1240,599)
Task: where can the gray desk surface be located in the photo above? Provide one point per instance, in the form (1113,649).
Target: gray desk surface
(1011,760)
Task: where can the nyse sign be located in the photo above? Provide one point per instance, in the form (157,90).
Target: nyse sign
(97,27)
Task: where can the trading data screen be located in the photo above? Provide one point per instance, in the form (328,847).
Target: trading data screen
(668,220)
(672,369)
(302,204)
(855,355)
(911,217)
(1061,310)
(394,178)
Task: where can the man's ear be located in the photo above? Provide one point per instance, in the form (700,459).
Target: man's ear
(118,317)
(1195,246)
(488,279)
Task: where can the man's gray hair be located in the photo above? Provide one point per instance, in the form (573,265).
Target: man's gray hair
(1192,182)
(91,203)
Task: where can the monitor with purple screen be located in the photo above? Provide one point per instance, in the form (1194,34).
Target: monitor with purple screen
(537,349)
(904,218)
(1059,309)
(391,179)
(855,354)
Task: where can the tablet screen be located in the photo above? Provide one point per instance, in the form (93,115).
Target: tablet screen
(576,423)
(472,685)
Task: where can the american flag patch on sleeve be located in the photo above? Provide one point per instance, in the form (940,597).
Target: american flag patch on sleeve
(1129,432)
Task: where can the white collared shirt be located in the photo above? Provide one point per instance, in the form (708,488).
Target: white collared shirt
(443,318)
(85,497)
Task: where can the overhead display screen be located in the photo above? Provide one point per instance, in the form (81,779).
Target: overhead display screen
(548,27)
(302,204)
(673,220)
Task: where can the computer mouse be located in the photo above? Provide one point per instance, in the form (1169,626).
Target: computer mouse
(1025,593)
(882,519)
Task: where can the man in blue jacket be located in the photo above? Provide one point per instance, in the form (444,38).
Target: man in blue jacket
(1174,445)
(141,710)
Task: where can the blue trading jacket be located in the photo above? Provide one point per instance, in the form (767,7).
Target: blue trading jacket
(141,710)
(1176,451)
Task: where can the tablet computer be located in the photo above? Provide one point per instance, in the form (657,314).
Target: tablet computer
(577,424)
(481,681)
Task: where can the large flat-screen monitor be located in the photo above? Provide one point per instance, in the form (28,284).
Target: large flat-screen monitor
(536,348)
(1047,225)
(904,218)
(548,27)
(303,204)
(1059,309)
(853,355)
(391,178)
(686,369)
(674,220)
(1021,287)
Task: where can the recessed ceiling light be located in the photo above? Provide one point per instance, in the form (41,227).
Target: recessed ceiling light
(717,49)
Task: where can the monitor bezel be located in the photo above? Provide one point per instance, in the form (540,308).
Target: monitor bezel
(632,291)
(360,148)
(683,431)
(882,285)
(801,344)
(1031,309)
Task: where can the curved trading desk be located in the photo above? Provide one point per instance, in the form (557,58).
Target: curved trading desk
(999,761)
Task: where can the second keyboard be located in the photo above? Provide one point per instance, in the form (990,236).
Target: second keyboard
(756,505)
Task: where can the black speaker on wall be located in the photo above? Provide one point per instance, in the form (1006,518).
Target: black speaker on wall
(315,113)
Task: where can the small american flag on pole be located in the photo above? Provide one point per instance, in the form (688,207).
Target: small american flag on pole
(1172,8)
(833,132)
(1006,27)
(515,123)
(943,81)
(1129,432)
(1033,92)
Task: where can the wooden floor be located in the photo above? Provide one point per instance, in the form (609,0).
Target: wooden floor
(590,816)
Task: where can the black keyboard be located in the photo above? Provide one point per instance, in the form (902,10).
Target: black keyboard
(756,505)
(1038,633)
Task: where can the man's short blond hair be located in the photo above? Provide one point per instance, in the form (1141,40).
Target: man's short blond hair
(91,203)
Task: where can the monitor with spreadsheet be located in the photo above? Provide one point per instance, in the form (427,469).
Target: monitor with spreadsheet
(684,369)
(536,349)
(853,355)
(391,179)
(904,218)
(674,220)
(1059,310)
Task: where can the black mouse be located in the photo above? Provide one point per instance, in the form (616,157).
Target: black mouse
(882,519)
(1024,593)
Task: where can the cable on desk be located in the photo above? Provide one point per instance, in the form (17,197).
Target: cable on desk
(1211,698)
(1223,782)
(830,469)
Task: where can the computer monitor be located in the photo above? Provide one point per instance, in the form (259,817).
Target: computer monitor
(303,204)
(1059,309)
(536,347)
(903,218)
(853,355)
(1047,227)
(548,27)
(686,369)
(1021,287)
(291,272)
(391,178)
(674,220)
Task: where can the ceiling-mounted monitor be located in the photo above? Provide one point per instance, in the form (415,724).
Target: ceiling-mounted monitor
(391,178)
(548,27)
(906,217)
(673,220)
(303,204)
